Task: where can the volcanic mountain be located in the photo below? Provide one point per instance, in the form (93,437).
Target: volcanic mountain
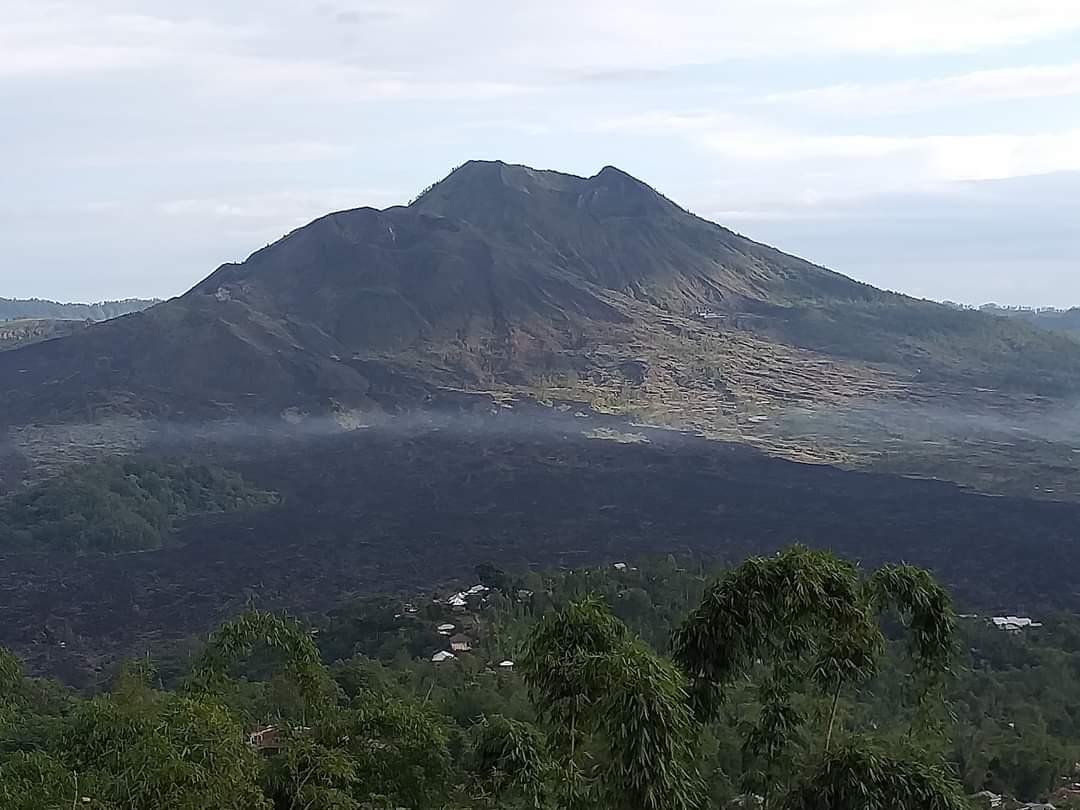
(517,282)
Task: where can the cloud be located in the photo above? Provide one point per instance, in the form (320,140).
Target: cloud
(224,123)
(53,39)
(1003,84)
(433,39)
(1011,240)
(650,33)
(909,160)
(283,208)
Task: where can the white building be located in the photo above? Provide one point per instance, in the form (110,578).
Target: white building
(1014,624)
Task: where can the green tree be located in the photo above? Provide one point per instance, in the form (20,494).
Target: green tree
(396,752)
(619,713)
(308,775)
(858,777)
(235,641)
(36,781)
(800,627)
(509,760)
(174,752)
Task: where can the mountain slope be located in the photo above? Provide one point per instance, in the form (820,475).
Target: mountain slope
(506,278)
(23,332)
(617,232)
(1066,321)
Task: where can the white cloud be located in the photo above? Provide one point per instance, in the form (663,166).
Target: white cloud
(1003,84)
(491,41)
(649,33)
(59,38)
(282,208)
(226,119)
(909,160)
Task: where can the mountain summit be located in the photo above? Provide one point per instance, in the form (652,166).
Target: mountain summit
(506,278)
(614,230)
(474,191)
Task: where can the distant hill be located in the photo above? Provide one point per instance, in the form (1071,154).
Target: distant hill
(502,278)
(33,320)
(38,309)
(1066,321)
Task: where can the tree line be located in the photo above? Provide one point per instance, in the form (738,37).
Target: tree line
(120,505)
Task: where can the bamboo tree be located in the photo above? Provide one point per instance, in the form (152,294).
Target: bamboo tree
(509,756)
(600,690)
(803,623)
(858,777)
(234,641)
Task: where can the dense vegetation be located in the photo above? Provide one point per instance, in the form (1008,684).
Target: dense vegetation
(794,677)
(119,505)
(16,309)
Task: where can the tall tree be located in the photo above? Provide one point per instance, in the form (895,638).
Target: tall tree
(858,777)
(176,752)
(236,640)
(619,713)
(801,626)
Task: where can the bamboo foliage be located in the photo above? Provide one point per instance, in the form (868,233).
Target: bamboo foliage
(804,625)
(858,777)
(619,713)
(510,757)
(235,640)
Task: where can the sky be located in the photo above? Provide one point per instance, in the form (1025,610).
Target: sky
(926,146)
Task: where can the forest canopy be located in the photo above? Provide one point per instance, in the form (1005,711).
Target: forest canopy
(120,505)
(834,688)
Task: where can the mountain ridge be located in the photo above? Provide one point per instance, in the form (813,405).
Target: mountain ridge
(520,282)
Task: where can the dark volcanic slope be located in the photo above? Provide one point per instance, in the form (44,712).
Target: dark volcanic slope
(23,332)
(389,510)
(501,276)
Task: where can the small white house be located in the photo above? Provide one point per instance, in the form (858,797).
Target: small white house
(446,629)
(990,800)
(620,566)
(1014,624)
(506,666)
(442,656)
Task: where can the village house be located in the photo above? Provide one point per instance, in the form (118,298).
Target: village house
(446,629)
(988,800)
(266,740)
(442,656)
(271,739)
(460,643)
(1014,624)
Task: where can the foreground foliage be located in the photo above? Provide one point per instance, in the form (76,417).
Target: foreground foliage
(795,678)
